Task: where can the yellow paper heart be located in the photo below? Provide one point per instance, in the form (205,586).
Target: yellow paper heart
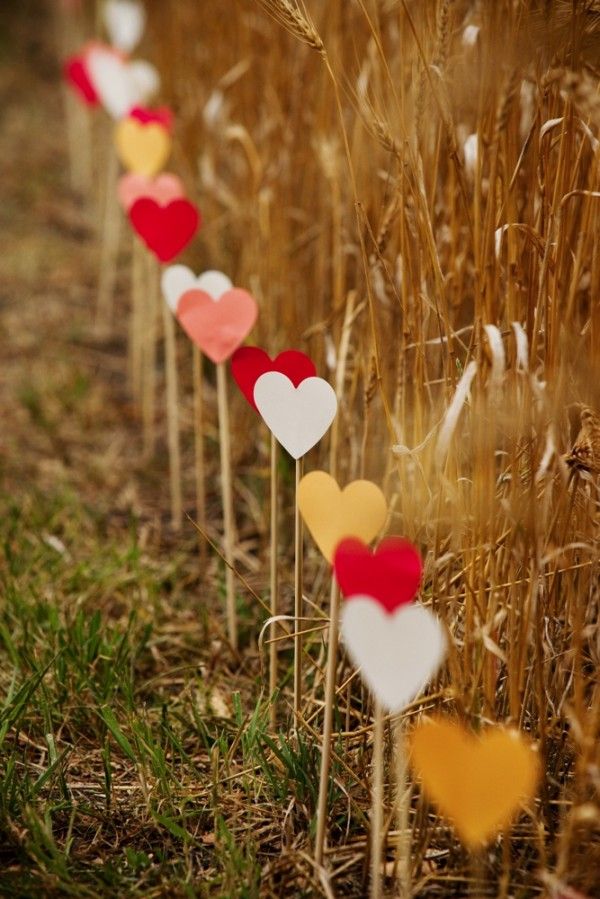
(479,782)
(331,514)
(142,148)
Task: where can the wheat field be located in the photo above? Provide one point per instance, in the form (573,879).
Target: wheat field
(411,190)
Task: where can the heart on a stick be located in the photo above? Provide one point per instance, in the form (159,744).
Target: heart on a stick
(76,75)
(330,513)
(142,148)
(179,279)
(391,575)
(121,85)
(478,782)
(125,21)
(218,326)
(297,416)
(249,363)
(397,654)
(162,189)
(166,230)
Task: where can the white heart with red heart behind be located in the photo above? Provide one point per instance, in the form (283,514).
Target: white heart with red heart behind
(119,84)
(297,416)
(397,653)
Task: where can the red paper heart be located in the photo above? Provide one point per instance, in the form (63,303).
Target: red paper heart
(166,230)
(391,575)
(161,116)
(249,363)
(76,74)
(217,327)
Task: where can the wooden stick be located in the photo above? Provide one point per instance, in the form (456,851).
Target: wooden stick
(330,673)
(377,802)
(172,417)
(297,597)
(403,792)
(274,581)
(136,321)
(149,380)
(199,449)
(110,238)
(227,492)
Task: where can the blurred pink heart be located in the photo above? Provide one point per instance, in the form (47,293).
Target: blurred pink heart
(162,189)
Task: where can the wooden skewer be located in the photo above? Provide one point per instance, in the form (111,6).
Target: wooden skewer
(172,418)
(332,653)
(298,560)
(227,492)
(109,251)
(377,802)
(136,323)
(199,448)
(149,383)
(274,580)
(403,792)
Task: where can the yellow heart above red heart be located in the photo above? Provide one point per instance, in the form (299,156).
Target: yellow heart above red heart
(330,514)
(478,782)
(142,147)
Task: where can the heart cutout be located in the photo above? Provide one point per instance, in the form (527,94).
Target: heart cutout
(179,279)
(249,363)
(162,189)
(120,85)
(397,654)
(297,416)
(166,230)
(330,513)
(391,575)
(162,115)
(142,148)
(478,782)
(217,327)
(77,77)
(125,21)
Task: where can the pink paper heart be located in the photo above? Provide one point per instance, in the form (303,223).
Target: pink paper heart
(164,188)
(217,327)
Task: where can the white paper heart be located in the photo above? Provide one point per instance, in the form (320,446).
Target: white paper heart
(297,416)
(397,654)
(178,279)
(125,21)
(120,85)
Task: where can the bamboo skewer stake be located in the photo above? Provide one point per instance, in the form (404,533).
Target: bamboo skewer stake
(109,252)
(377,802)
(298,559)
(403,791)
(274,580)
(199,448)
(332,652)
(227,492)
(149,376)
(136,330)
(172,418)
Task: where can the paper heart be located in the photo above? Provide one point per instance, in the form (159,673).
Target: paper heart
(217,327)
(125,21)
(162,115)
(165,230)
(297,416)
(142,149)
(330,513)
(179,279)
(119,84)
(391,575)
(76,75)
(479,782)
(162,189)
(249,363)
(397,654)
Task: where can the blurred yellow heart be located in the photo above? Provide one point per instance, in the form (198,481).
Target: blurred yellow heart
(143,148)
(330,514)
(478,782)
